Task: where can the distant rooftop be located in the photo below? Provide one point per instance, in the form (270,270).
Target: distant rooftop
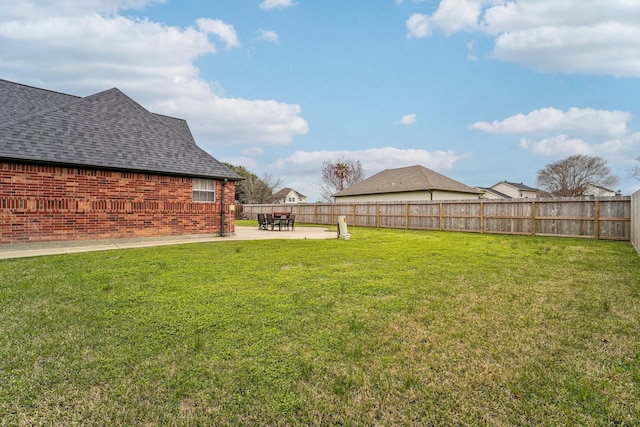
(518,185)
(407,179)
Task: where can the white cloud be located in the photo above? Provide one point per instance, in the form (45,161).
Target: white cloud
(619,150)
(38,9)
(451,16)
(583,122)
(604,48)
(418,26)
(570,36)
(270,36)
(224,121)
(91,48)
(226,32)
(408,119)
(276,4)
(557,146)
(373,159)
(575,131)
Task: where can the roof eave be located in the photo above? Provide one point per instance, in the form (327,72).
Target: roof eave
(407,191)
(116,169)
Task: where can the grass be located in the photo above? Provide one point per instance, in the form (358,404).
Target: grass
(389,328)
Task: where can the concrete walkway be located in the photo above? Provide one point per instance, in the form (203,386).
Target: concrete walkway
(20,250)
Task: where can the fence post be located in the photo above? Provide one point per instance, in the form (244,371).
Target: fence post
(481,217)
(441,225)
(596,221)
(406,216)
(355,211)
(378,214)
(533,218)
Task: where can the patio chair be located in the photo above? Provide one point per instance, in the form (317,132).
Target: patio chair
(291,222)
(270,221)
(262,222)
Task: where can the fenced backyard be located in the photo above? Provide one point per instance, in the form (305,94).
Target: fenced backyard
(604,218)
(393,327)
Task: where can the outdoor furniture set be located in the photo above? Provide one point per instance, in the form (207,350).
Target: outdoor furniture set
(283,220)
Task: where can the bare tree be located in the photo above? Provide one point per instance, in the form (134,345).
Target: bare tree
(254,189)
(338,175)
(635,171)
(570,177)
(260,190)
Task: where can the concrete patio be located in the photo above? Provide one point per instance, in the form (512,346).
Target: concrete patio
(20,250)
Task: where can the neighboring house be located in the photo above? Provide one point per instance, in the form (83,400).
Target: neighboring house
(490,193)
(509,190)
(288,195)
(600,191)
(406,184)
(102,166)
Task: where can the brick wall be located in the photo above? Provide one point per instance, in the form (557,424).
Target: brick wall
(47,203)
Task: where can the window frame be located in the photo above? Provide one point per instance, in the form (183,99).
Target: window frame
(203,190)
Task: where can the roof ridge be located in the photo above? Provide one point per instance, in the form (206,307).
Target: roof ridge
(425,173)
(158,120)
(52,109)
(38,88)
(80,99)
(155,116)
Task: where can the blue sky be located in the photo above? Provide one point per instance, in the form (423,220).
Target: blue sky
(479,90)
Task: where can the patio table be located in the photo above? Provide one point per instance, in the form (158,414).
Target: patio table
(280,221)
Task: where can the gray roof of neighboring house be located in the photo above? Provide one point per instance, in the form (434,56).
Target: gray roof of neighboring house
(497,193)
(518,185)
(107,130)
(412,178)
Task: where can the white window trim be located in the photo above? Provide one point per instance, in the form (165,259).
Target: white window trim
(204,190)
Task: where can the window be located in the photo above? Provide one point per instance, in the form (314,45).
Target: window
(204,190)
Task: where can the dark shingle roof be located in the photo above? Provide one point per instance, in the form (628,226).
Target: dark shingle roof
(17,100)
(412,178)
(497,193)
(105,130)
(519,186)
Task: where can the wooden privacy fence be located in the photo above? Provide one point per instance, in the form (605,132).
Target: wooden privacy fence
(597,218)
(635,221)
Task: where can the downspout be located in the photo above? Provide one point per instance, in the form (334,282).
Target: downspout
(222,207)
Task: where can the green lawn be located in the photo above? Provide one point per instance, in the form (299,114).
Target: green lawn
(389,328)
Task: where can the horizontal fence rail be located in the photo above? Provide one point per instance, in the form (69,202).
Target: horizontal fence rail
(603,218)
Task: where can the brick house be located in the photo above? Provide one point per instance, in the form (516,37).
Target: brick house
(103,166)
